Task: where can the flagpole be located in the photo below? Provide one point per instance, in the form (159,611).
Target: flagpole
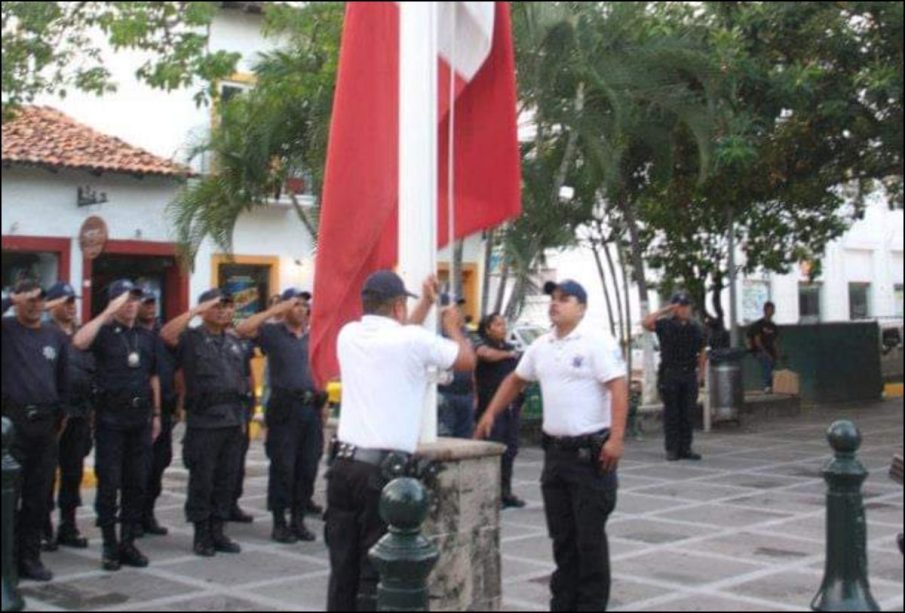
(418,163)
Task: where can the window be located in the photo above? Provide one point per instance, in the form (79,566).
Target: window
(859,300)
(249,284)
(809,303)
(899,296)
(42,267)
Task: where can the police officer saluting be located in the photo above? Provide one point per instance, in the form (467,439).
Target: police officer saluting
(682,363)
(583,382)
(75,439)
(294,429)
(34,372)
(384,366)
(216,381)
(127,418)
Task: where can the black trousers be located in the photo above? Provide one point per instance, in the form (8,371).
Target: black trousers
(121,464)
(75,445)
(353,527)
(577,502)
(295,443)
(246,442)
(679,392)
(212,458)
(505,430)
(160,457)
(34,447)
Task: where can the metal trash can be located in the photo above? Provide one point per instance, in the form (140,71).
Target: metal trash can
(727,392)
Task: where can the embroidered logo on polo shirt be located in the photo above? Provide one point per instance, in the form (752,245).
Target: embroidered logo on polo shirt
(577,361)
(50,353)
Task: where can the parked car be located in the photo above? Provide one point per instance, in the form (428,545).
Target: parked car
(522,335)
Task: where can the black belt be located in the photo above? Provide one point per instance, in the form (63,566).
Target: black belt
(575,443)
(30,412)
(682,370)
(306,396)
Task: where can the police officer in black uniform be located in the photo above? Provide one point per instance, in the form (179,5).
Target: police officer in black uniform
(127,418)
(162,450)
(236,514)
(216,380)
(75,439)
(294,429)
(34,369)
(683,361)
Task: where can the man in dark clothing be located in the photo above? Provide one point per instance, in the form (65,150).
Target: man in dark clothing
(236,514)
(162,451)
(294,429)
(456,399)
(496,360)
(763,337)
(34,369)
(216,383)
(127,419)
(683,361)
(75,438)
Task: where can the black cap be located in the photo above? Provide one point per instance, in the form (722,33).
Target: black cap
(386,284)
(28,285)
(215,292)
(681,298)
(567,288)
(60,290)
(120,287)
(293,292)
(444,299)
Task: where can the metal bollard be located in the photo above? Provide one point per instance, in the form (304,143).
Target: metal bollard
(403,557)
(845,583)
(12,600)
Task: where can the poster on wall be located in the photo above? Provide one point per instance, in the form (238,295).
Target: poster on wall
(244,290)
(754,295)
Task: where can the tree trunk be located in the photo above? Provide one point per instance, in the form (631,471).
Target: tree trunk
(623,333)
(485,282)
(649,390)
(501,291)
(514,306)
(628,311)
(606,292)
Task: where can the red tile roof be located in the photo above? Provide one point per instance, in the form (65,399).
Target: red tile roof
(44,136)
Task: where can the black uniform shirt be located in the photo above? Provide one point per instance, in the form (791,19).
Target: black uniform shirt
(489,375)
(81,373)
(35,363)
(216,378)
(287,358)
(680,343)
(166,369)
(111,348)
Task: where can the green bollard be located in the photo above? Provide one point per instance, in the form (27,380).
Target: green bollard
(12,600)
(845,584)
(403,557)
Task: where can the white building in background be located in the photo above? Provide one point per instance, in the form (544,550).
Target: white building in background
(862,277)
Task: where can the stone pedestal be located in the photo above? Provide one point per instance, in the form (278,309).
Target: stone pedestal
(464,523)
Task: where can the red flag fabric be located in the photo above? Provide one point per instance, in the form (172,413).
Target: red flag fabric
(358,225)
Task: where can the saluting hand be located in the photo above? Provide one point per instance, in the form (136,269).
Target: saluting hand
(283,307)
(117,303)
(207,305)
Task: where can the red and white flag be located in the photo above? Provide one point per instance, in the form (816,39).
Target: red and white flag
(358,226)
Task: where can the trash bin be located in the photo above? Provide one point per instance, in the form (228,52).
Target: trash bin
(727,392)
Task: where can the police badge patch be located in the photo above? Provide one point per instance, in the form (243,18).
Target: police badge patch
(577,361)
(50,353)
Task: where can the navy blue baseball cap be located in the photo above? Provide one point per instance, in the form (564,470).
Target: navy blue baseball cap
(386,284)
(293,292)
(60,290)
(121,286)
(567,288)
(215,292)
(681,298)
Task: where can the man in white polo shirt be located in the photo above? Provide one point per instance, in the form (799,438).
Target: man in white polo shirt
(384,361)
(583,383)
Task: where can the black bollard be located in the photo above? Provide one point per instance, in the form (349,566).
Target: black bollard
(845,584)
(403,557)
(12,600)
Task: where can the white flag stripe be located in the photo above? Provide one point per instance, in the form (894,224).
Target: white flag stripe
(473,32)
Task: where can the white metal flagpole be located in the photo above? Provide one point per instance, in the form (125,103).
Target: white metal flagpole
(418,163)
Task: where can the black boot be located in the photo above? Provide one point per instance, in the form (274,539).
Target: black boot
(298,526)
(281,532)
(67,534)
(222,542)
(110,551)
(150,526)
(128,552)
(239,516)
(508,500)
(32,568)
(312,508)
(203,545)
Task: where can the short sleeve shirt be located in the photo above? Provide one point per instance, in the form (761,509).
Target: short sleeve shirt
(489,375)
(572,372)
(35,363)
(111,348)
(287,357)
(680,343)
(384,368)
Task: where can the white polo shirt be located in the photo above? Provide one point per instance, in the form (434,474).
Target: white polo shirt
(383,366)
(571,372)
